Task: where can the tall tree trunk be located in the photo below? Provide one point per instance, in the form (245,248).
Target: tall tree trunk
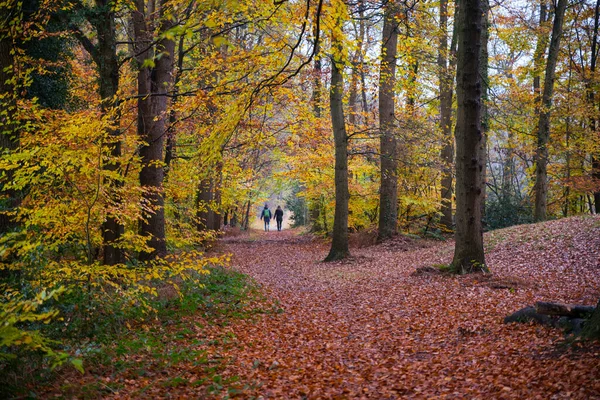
(218,180)
(9,136)
(468,250)
(339,244)
(446,80)
(315,206)
(543,137)
(171,143)
(354,107)
(483,72)
(388,190)
(247,216)
(538,57)
(170,135)
(591,100)
(108,65)
(153,84)
(204,197)
(104,55)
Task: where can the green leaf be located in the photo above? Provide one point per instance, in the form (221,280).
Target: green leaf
(78,364)
(148,63)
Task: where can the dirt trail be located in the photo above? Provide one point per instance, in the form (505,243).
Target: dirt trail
(370,327)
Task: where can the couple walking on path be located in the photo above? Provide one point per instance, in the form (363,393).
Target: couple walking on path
(266,217)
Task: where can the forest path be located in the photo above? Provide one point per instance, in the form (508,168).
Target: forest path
(371,327)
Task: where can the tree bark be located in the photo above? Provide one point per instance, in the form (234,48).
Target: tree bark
(153,84)
(315,209)
(591,100)
(217,179)
(108,65)
(483,72)
(446,80)
(247,216)
(388,190)
(9,135)
(543,137)
(339,244)
(204,198)
(468,250)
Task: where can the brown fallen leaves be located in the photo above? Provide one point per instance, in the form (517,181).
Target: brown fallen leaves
(370,327)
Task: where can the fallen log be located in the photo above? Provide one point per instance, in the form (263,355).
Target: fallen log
(565,310)
(528,314)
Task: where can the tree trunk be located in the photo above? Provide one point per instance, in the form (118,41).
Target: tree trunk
(171,143)
(9,136)
(204,199)
(247,217)
(108,65)
(388,190)
(483,68)
(446,92)
(468,250)
(339,244)
(216,203)
(591,100)
(315,210)
(538,57)
(543,137)
(153,84)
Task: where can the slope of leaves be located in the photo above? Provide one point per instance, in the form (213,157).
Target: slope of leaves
(384,324)
(371,327)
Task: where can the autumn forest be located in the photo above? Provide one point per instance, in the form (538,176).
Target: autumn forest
(437,163)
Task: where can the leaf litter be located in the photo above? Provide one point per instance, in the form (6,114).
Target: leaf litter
(372,328)
(385,325)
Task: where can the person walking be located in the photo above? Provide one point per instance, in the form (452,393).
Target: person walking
(279,217)
(265,215)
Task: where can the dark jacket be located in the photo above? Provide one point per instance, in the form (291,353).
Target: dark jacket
(279,214)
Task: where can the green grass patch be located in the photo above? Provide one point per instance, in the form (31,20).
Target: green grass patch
(158,346)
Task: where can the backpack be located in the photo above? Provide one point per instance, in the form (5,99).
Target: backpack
(266,213)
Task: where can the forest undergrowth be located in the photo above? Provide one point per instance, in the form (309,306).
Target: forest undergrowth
(382,324)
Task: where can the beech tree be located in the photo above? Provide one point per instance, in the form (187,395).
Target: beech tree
(339,244)
(9,139)
(155,63)
(468,251)
(543,132)
(388,191)
(104,54)
(446,62)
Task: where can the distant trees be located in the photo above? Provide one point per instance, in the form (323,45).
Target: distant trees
(213,100)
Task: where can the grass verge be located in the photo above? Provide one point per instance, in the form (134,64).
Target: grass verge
(178,347)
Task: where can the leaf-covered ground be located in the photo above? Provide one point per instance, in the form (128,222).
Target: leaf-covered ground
(381,325)
(372,327)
